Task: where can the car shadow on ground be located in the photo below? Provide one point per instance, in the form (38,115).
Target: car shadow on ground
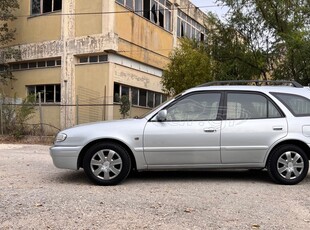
(255,176)
(71,177)
(201,176)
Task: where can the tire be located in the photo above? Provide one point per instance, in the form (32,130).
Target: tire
(288,165)
(107,164)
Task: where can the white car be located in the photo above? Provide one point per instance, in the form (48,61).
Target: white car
(209,126)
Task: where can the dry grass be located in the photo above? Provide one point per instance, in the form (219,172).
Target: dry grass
(45,140)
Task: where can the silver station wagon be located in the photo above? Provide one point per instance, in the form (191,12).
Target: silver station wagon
(212,126)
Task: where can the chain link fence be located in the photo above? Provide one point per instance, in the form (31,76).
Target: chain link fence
(45,119)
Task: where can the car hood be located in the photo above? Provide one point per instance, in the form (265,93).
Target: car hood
(122,130)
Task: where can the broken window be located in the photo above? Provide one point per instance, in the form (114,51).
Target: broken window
(182,28)
(188,27)
(158,11)
(161,16)
(154,11)
(202,37)
(45,6)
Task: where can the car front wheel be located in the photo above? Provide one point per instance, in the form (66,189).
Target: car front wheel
(288,165)
(107,164)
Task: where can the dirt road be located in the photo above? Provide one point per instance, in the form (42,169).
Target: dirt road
(36,195)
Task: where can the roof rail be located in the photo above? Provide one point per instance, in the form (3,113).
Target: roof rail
(255,82)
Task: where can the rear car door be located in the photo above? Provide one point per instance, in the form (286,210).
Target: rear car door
(253,122)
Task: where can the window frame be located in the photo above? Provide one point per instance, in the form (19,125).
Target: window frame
(189,27)
(93,59)
(268,100)
(44,100)
(142,102)
(145,10)
(41,7)
(38,64)
(178,99)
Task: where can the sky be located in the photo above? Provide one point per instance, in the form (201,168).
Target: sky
(210,5)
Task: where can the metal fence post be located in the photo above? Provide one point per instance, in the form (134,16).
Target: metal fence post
(104,103)
(77,109)
(41,114)
(1,119)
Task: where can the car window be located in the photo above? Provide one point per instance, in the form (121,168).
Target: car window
(298,105)
(273,112)
(195,107)
(250,106)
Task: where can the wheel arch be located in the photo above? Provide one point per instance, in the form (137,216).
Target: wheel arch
(106,140)
(298,143)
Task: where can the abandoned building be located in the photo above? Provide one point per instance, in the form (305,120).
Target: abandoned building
(82,56)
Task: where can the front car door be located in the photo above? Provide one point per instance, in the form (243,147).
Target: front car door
(253,123)
(189,136)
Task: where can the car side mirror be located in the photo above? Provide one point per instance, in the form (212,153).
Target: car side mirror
(162,115)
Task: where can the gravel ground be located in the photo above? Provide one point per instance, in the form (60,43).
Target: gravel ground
(36,195)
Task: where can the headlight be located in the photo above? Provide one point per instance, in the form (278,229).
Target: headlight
(60,137)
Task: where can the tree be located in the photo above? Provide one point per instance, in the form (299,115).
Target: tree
(125,106)
(15,117)
(7,8)
(225,56)
(190,65)
(233,55)
(277,32)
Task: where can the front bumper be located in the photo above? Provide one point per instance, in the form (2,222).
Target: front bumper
(65,157)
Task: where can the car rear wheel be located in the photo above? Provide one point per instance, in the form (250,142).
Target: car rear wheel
(107,164)
(288,165)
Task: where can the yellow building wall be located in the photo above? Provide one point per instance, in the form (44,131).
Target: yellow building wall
(31,29)
(44,76)
(50,120)
(92,91)
(136,33)
(135,78)
(88,24)
(134,111)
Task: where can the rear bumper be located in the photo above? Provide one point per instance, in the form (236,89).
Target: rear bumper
(65,157)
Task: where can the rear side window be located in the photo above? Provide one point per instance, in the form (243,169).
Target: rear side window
(250,106)
(298,105)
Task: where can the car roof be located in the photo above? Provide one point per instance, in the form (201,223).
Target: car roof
(253,88)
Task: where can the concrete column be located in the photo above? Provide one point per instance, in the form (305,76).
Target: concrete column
(67,112)
(108,20)
(175,23)
(108,27)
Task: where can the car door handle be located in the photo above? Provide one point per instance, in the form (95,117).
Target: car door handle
(277,128)
(209,130)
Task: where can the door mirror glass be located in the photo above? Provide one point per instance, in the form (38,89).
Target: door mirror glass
(162,115)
